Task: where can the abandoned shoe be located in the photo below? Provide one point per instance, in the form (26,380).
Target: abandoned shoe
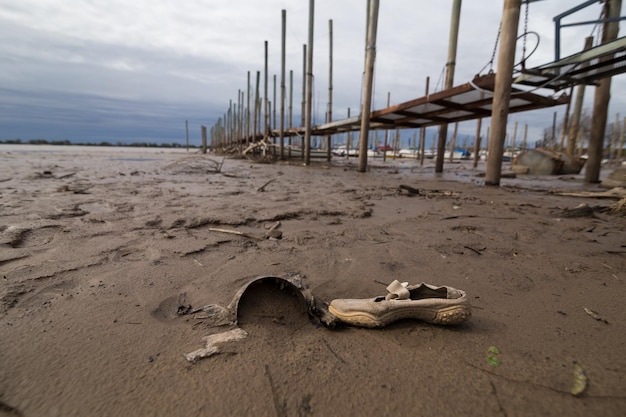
(438,305)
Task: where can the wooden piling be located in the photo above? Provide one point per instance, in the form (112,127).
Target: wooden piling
(553,138)
(502,91)
(273,105)
(203,129)
(613,150)
(572,134)
(453,141)
(348,140)
(240,120)
(255,128)
(423,129)
(565,127)
(266,112)
(514,143)
(450,65)
(290,117)
(601,98)
(370,56)
(309,87)
(329,117)
(386,131)
(303,111)
(621,142)
(477,138)
(248,112)
(282,85)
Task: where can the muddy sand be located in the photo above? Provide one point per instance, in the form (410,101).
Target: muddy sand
(107,256)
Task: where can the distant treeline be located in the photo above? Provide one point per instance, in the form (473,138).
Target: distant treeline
(104,143)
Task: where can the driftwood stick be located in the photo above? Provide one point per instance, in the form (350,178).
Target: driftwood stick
(234,232)
(272,234)
(476,251)
(221,164)
(274,226)
(262,188)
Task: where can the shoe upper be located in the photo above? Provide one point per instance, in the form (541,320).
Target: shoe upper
(411,297)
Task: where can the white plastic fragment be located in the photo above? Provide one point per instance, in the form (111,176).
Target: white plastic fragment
(213,343)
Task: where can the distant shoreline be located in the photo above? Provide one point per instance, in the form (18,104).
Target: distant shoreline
(102,143)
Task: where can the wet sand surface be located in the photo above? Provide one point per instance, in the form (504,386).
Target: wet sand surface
(99,247)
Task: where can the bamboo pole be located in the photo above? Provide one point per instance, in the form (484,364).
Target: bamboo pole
(309,87)
(282,85)
(525,137)
(601,99)
(450,65)
(370,56)
(502,91)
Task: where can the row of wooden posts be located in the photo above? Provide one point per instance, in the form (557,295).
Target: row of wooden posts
(238,128)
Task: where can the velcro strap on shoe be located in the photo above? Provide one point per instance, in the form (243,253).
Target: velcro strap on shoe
(398,291)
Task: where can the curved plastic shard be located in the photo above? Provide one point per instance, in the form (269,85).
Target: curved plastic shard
(318,311)
(220,316)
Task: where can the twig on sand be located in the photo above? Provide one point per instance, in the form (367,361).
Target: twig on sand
(235,232)
(476,251)
(339,358)
(262,188)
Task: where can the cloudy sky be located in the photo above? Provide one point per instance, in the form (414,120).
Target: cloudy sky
(115,70)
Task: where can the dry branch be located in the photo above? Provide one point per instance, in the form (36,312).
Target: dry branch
(262,188)
(235,232)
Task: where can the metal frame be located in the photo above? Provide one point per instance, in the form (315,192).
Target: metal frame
(557,24)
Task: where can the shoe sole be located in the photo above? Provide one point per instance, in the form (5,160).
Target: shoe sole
(446,316)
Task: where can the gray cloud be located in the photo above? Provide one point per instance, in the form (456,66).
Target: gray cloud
(115,69)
